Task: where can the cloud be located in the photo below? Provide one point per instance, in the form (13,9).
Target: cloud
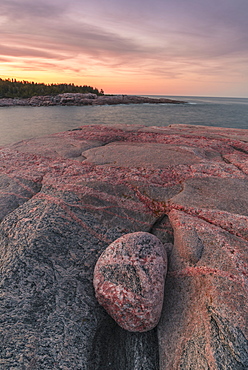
(15,51)
(166,39)
(26,9)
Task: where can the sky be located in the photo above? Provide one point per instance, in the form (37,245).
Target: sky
(156,47)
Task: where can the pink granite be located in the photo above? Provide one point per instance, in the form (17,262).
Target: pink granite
(65,198)
(129,280)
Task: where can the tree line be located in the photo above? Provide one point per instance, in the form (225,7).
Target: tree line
(10,88)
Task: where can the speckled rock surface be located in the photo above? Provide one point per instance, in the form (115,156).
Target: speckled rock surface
(129,280)
(66,197)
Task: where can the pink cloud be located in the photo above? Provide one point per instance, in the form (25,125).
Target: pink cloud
(171,39)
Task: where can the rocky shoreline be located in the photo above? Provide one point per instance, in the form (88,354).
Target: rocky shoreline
(64,198)
(83,99)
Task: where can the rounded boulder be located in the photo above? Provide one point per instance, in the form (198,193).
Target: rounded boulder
(129,280)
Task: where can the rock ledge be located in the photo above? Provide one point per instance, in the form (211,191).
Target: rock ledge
(84,99)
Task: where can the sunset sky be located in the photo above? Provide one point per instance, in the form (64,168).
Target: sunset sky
(169,47)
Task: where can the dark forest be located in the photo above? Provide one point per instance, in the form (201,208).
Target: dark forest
(10,88)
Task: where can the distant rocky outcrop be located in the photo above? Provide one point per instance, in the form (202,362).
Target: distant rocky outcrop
(84,99)
(65,198)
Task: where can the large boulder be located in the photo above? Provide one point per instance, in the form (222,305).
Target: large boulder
(129,280)
(65,198)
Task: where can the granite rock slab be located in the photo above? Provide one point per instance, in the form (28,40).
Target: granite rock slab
(65,198)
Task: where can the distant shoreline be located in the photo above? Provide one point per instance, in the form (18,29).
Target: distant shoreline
(80,99)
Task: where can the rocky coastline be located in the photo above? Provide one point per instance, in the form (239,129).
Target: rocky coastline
(65,198)
(83,99)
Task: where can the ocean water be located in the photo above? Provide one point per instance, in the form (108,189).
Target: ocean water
(19,123)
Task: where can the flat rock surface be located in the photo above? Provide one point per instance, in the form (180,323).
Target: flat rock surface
(64,198)
(129,280)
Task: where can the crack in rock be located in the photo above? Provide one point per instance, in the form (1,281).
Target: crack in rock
(14,192)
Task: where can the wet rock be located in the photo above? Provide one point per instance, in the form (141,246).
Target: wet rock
(129,280)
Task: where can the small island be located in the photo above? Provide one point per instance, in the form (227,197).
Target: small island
(24,93)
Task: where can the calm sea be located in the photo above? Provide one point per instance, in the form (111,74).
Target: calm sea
(18,123)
